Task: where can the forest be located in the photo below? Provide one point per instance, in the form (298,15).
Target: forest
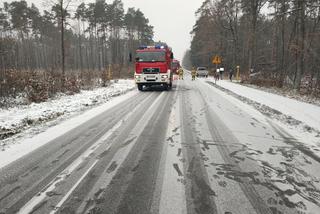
(276,43)
(67,47)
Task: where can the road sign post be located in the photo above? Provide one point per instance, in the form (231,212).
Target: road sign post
(216,60)
(109,73)
(238,72)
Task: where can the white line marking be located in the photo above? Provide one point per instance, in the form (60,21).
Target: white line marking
(25,146)
(73,188)
(121,155)
(28,207)
(173,199)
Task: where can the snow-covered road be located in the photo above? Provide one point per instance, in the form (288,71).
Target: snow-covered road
(194,149)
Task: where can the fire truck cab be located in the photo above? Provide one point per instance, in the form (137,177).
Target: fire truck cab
(153,66)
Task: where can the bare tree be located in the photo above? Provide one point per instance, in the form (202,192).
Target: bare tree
(35,45)
(282,46)
(252,8)
(62,7)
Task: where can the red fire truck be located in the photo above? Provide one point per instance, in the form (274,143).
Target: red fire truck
(153,66)
(175,66)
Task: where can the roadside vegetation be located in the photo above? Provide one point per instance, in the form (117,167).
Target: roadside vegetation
(276,43)
(66,47)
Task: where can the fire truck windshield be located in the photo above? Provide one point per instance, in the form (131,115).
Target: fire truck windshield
(151,56)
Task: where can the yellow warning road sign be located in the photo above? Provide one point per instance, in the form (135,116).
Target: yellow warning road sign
(216,60)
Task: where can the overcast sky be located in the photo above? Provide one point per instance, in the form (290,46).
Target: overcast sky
(172,19)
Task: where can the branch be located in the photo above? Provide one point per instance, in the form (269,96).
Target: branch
(287,12)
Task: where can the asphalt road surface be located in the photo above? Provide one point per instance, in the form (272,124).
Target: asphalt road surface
(189,150)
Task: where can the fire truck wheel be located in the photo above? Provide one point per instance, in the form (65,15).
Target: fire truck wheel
(166,87)
(140,87)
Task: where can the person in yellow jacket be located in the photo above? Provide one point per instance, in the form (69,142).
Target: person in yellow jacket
(180,72)
(193,73)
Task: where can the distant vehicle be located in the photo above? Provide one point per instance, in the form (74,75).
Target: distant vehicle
(202,72)
(175,66)
(153,66)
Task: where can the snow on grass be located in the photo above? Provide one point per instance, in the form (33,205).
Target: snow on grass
(301,111)
(297,119)
(287,92)
(34,118)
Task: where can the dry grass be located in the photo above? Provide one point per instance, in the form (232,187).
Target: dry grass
(40,85)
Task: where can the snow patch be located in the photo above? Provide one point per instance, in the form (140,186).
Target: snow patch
(25,121)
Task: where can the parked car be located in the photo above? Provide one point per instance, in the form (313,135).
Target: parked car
(202,72)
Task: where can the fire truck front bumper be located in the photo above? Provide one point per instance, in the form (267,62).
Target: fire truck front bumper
(152,79)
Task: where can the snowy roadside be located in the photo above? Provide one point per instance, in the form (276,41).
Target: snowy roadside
(295,110)
(286,93)
(27,120)
(298,119)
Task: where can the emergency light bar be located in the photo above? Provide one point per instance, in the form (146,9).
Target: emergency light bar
(143,47)
(160,47)
(155,47)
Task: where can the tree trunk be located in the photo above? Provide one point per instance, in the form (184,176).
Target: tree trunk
(62,45)
(301,45)
(282,57)
(252,35)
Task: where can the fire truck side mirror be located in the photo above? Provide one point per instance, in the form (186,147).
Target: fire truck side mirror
(171,55)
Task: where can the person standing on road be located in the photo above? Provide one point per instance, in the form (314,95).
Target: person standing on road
(221,73)
(193,73)
(180,72)
(217,74)
(230,74)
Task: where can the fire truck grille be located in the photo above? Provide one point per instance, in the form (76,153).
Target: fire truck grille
(151,70)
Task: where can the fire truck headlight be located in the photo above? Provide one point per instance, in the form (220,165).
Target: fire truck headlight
(137,77)
(164,76)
